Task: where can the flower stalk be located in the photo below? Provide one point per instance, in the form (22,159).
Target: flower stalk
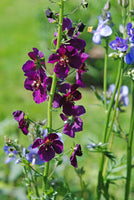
(129,148)
(53,87)
(101,166)
(112,121)
(105,75)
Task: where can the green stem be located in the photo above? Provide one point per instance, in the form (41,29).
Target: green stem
(105,75)
(53,87)
(129,148)
(110,147)
(113,119)
(116,105)
(29,184)
(100,177)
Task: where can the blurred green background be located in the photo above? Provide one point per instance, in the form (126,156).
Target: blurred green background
(23,25)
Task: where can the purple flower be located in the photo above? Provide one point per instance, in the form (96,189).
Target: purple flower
(67,100)
(77,152)
(11,152)
(67,24)
(48,146)
(81,69)
(36,62)
(66,56)
(36,82)
(129,57)
(74,123)
(103,30)
(23,123)
(130,32)
(119,44)
(123,96)
(32,156)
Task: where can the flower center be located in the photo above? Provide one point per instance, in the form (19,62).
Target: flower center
(64,59)
(36,84)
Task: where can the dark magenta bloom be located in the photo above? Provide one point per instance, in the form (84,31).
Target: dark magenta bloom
(81,70)
(67,100)
(77,152)
(67,24)
(48,146)
(129,57)
(36,82)
(119,44)
(74,123)
(130,32)
(23,123)
(66,56)
(36,62)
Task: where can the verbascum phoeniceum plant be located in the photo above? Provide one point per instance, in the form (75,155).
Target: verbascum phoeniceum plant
(69,57)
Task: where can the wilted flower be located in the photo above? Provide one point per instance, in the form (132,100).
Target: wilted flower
(103,30)
(77,152)
(129,57)
(19,116)
(48,146)
(74,123)
(119,44)
(32,156)
(11,152)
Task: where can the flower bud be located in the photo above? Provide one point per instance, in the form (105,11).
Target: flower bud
(84,4)
(123,3)
(49,13)
(130,73)
(80,27)
(107,6)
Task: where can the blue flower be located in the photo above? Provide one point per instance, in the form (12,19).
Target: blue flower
(129,58)
(32,156)
(11,152)
(130,32)
(103,30)
(123,96)
(119,44)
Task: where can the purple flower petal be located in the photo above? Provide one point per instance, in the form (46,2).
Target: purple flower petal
(61,70)
(46,153)
(58,146)
(73,160)
(39,95)
(78,43)
(78,110)
(68,130)
(18,115)
(53,58)
(37,143)
(67,24)
(29,65)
